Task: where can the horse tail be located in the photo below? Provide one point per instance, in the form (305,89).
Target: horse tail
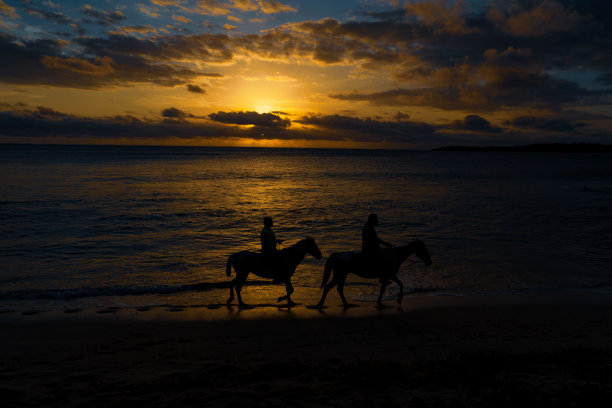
(228,266)
(327,271)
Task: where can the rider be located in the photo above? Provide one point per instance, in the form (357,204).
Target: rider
(370,247)
(271,256)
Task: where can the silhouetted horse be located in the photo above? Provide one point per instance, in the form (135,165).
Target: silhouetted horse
(245,262)
(344,263)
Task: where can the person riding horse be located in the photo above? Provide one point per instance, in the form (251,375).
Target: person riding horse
(271,256)
(373,257)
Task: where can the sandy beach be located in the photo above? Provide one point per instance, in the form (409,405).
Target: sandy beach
(446,352)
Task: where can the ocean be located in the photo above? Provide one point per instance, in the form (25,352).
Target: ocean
(138,227)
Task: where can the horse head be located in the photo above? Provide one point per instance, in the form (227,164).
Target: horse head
(312,248)
(421,251)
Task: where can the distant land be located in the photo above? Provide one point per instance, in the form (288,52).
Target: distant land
(544,147)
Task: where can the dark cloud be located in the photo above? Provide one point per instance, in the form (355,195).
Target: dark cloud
(25,124)
(22,123)
(102,17)
(368,129)
(268,120)
(195,89)
(43,62)
(175,113)
(205,47)
(475,123)
(51,15)
(533,122)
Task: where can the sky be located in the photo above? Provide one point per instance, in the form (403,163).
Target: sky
(312,73)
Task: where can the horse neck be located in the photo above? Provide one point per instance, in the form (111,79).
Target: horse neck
(296,253)
(403,252)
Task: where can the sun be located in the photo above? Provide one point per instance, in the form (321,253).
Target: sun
(263,108)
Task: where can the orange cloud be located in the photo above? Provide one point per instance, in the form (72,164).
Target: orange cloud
(212,7)
(7,10)
(244,5)
(141,29)
(272,7)
(181,19)
(100,66)
(547,17)
(439,14)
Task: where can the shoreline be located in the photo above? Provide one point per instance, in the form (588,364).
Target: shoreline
(263,307)
(548,350)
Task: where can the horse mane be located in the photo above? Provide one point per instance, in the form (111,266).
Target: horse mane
(297,244)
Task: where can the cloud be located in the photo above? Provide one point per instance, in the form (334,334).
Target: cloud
(540,123)
(7,10)
(102,17)
(29,124)
(21,123)
(268,120)
(149,11)
(543,18)
(130,61)
(99,66)
(195,89)
(272,7)
(368,129)
(446,55)
(212,7)
(140,29)
(40,12)
(181,19)
(475,123)
(175,113)
(166,3)
(438,15)
(244,5)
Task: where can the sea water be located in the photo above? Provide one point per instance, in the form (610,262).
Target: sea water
(100,226)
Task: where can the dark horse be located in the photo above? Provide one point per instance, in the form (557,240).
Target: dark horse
(245,262)
(344,263)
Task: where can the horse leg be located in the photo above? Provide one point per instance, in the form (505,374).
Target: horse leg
(326,289)
(401,286)
(383,286)
(341,292)
(240,279)
(289,288)
(231,297)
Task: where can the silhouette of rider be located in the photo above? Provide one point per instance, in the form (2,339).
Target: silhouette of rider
(271,256)
(370,247)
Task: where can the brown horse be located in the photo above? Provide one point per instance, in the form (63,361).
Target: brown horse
(343,263)
(245,262)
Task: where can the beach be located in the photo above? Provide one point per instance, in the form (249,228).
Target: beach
(523,350)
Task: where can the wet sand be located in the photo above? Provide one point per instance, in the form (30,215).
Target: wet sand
(436,352)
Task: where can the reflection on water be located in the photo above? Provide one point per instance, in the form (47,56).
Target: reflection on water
(97,217)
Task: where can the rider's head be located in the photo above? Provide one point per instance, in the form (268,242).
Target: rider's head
(373,219)
(268,222)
